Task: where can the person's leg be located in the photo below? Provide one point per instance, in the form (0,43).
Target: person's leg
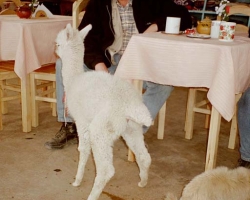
(61,115)
(68,129)
(244,128)
(154,97)
(112,68)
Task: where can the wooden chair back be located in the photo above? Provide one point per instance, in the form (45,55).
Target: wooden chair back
(8,90)
(77,7)
(7,12)
(240,9)
(17,2)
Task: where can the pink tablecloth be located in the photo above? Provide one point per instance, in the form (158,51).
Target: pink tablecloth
(30,42)
(223,67)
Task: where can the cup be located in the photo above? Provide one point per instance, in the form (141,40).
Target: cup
(227,30)
(215,29)
(173,25)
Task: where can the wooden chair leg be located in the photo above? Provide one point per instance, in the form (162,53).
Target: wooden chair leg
(207,118)
(34,105)
(1,96)
(3,93)
(1,119)
(161,122)
(131,156)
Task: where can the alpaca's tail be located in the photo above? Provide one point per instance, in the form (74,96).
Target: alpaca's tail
(139,114)
(170,196)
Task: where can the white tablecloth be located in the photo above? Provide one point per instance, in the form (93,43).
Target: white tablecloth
(223,67)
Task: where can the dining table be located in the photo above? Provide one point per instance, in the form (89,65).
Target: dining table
(31,44)
(192,62)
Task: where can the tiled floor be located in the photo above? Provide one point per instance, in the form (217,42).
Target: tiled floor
(28,171)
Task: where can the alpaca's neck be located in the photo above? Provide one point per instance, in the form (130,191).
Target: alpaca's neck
(72,65)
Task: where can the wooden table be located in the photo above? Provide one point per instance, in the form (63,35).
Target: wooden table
(31,43)
(222,67)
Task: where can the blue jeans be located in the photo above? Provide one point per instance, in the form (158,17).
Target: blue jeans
(244,125)
(154,96)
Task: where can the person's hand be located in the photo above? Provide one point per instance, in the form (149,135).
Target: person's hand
(101,67)
(151,28)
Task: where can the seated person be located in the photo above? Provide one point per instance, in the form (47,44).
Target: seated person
(244,128)
(113,24)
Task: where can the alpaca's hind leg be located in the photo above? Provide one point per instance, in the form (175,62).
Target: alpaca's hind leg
(135,141)
(84,152)
(103,156)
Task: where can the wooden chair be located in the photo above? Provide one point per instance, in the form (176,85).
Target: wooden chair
(17,2)
(43,80)
(7,12)
(42,89)
(240,9)
(203,107)
(77,8)
(10,88)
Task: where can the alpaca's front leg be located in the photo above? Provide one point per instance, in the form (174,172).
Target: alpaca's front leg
(135,141)
(84,152)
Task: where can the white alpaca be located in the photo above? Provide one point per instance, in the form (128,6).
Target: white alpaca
(218,184)
(104,108)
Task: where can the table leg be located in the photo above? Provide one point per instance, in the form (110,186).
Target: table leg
(189,122)
(234,124)
(213,138)
(26,102)
(138,86)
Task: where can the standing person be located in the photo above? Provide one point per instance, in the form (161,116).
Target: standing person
(113,24)
(244,128)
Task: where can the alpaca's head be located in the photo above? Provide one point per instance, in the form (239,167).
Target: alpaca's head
(71,39)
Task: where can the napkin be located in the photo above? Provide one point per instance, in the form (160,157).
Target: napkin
(42,11)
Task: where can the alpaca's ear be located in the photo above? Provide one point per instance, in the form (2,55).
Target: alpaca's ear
(68,26)
(69,31)
(85,31)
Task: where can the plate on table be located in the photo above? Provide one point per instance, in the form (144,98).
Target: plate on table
(172,33)
(201,36)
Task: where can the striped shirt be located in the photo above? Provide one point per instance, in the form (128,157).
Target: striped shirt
(128,23)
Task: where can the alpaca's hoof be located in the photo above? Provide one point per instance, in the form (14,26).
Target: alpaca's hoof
(76,183)
(142,183)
